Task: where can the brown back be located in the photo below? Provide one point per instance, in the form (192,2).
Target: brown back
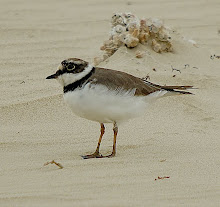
(119,80)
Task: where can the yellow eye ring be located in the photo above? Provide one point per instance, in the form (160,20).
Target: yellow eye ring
(73,67)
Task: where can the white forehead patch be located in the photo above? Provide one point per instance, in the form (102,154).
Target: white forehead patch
(60,67)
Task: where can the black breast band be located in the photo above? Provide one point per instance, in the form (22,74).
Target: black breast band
(79,83)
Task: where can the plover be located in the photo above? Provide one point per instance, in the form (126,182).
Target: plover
(107,96)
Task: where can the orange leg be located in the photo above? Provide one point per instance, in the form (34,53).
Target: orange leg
(96,153)
(115,130)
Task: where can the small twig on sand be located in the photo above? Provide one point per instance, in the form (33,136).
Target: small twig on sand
(53,162)
(175,69)
(163,160)
(161,178)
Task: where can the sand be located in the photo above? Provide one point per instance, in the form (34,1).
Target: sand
(177,137)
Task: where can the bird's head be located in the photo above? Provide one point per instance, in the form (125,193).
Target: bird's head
(71,70)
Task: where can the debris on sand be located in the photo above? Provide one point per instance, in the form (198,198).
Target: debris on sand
(53,162)
(161,178)
(128,30)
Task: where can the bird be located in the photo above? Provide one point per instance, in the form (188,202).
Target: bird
(106,95)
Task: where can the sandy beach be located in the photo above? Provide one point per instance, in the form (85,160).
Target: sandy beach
(178,137)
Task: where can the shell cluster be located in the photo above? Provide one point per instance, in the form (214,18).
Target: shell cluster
(127,29)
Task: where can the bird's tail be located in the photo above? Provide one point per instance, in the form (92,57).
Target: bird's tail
(178,89)
(175,89)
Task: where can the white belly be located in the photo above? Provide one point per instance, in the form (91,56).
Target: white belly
(100,104)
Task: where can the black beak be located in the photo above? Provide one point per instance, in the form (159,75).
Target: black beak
(54,76)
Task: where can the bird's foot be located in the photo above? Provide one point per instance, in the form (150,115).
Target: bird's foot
(109,156)
(94,155)
(97,155)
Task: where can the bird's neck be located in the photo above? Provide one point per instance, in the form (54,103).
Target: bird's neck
(78,83)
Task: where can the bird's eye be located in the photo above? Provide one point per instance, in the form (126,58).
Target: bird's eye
(71,67)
